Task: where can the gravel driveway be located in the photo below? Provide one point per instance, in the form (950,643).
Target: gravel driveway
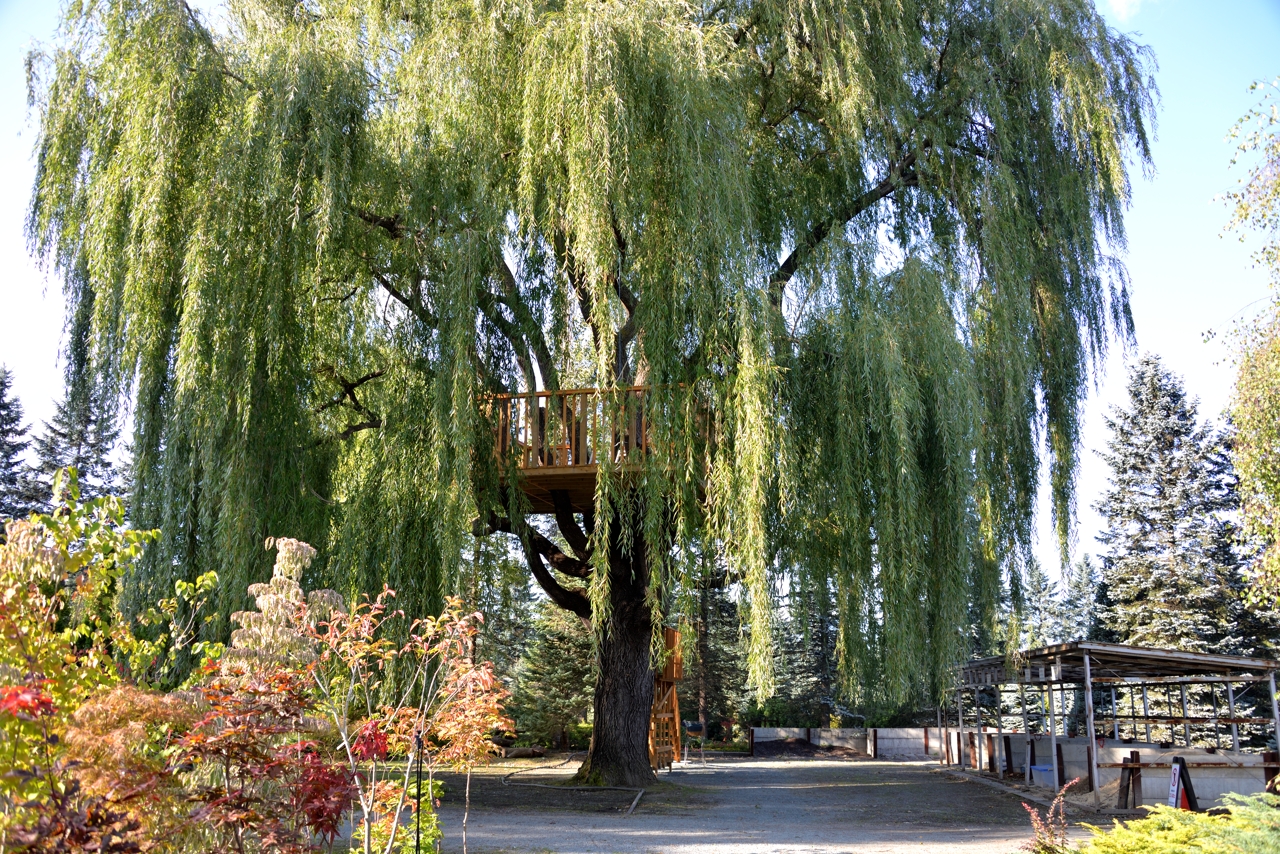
(745,806)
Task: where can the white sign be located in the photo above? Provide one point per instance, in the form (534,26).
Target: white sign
(1175,784)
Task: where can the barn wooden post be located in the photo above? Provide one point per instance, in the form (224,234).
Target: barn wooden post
(1275,707)
(1026,728)
(1115,713)
(1093,741)
(942,754)
(1231,712)
(1003,759)
(1186,727)
(1053,737)
(1146,713)
(978,739)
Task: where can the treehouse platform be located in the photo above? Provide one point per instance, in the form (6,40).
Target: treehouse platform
(557,439)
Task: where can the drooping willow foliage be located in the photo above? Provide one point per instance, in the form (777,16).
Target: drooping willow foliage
(861,251)
(1256,400)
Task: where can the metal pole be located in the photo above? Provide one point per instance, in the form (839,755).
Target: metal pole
(1092,745)
(1146,713)
(1053,738)
(1186,727)
(960,725)
(417,811)
(1026,727)
(1275,707)
(1231,710)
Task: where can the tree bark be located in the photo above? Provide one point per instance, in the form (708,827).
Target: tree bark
(623,703)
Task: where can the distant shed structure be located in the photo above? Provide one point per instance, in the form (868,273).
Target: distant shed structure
(1155,683)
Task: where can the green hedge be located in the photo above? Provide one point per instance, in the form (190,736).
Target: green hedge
(1251,827)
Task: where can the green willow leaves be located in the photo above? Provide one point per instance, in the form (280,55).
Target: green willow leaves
(862,251)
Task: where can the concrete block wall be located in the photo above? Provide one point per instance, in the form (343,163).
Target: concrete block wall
(853,738)
(1245,776)
(780,733)
(904,742)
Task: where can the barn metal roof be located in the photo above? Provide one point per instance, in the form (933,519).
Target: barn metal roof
(1111,662)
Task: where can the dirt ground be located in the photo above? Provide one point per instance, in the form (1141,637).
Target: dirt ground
(741,806)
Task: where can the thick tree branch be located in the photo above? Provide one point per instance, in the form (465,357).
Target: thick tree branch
(348,398)
(573,535)
(571,599)
(488,305)
(901,174)
(622,341)
(510,297)
(348,388)
(416,308)
(390,224)
(352,429)
(535,546)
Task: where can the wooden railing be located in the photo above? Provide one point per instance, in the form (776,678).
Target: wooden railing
(559,429)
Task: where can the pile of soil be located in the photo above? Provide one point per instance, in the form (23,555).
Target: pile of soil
(798,748)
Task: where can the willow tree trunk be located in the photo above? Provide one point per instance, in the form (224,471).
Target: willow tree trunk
(619,754)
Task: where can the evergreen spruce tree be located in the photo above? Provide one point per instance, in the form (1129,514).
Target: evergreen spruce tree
(15,486)
(1078,605)
(714,684)
(496,583)
(554,690)
(1173,569)
(83,431)
(1039,609)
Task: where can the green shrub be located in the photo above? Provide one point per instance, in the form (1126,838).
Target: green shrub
(1251,827)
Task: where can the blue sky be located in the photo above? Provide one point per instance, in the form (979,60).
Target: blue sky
(1187,278)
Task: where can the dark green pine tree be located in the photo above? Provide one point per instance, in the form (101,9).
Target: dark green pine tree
(1173,569)
(715,674)
(15,485)
(555,686)
(83,431)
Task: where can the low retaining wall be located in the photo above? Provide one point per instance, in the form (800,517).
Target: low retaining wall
(852,738)
(904,742)
(879,742)
(1228,771)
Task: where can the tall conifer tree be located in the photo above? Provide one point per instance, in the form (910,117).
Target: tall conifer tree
(16,493)
(1040,606)
(1173,568)
(557,674)
(1077,617)
(83,431)
(858,250)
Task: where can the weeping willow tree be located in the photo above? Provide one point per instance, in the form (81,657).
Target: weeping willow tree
(861,253)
